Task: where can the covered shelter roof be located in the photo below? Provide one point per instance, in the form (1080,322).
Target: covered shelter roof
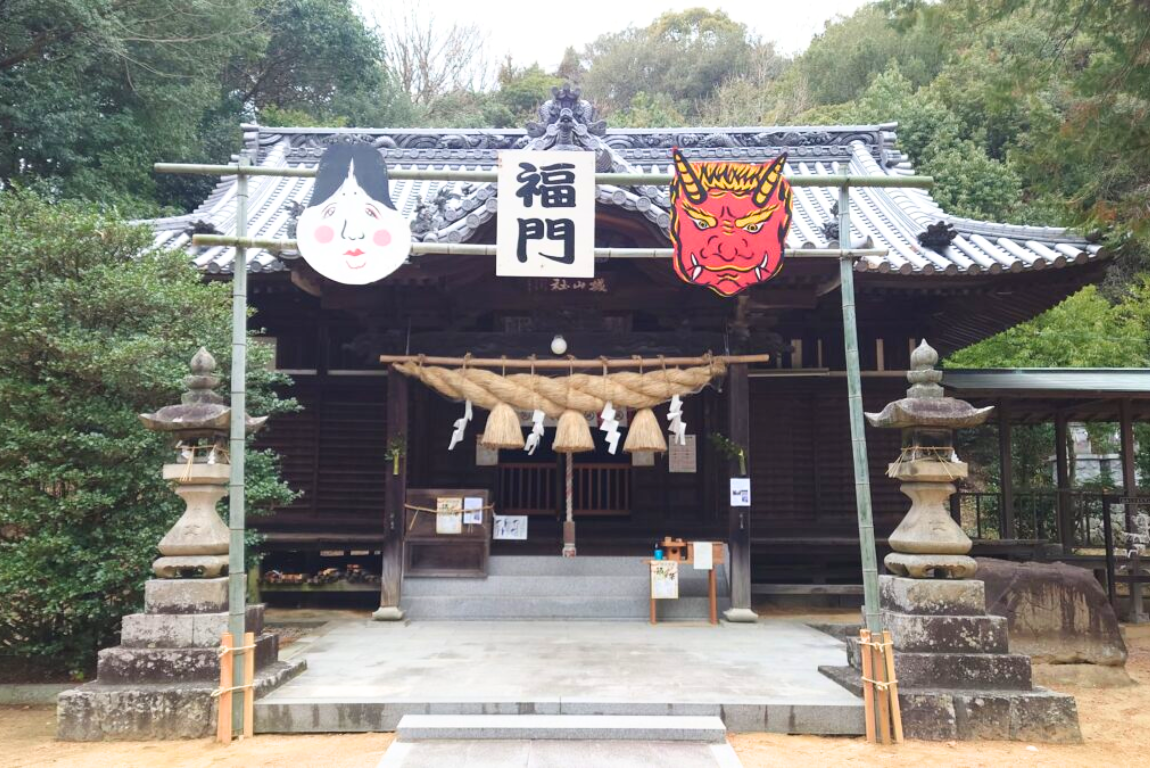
(454,212)
(1038,394)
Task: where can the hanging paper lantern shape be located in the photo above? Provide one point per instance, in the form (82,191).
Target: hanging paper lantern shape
(609,426)
(572,435)
(460,426)
(350,232)
(677,427)
(645,434)
(729,222)
(536,432)
(502,430)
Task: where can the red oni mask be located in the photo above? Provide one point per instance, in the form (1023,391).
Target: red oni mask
(729,222)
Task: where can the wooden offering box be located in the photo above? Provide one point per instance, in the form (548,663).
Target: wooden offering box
(427,552)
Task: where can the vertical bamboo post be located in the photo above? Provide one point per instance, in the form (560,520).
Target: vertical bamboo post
(882,692)
(868,687)
(249,682)
(858,427)
(237,583)
(224,700)
(892,681)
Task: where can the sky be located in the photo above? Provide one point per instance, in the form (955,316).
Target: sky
(539,31)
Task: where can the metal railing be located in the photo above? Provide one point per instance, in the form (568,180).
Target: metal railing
(1035,515)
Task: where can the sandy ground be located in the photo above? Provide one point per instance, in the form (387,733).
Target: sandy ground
(1115,724)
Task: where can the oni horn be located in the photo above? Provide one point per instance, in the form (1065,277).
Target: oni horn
(688,179)
(769,180)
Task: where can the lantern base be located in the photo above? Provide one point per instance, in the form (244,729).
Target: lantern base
(926,566)
(191,567)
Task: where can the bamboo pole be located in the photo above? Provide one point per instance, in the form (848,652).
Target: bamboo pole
(858,426)
(882,692)
(279,245)
(615,179)
(237,583)
(867,686)
(892,681)
(224,700)
(566,364)
(249,684)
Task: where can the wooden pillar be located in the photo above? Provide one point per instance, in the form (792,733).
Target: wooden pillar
(1064,500)
(1129,478)
(739,518)
(394,498)
(1006,528)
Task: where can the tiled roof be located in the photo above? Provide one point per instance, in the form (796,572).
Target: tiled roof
(454,211)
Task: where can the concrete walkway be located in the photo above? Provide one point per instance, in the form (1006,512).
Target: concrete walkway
(364,675)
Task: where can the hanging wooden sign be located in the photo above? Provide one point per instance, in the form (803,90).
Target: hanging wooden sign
(729,222)
(350,232)
(546,214)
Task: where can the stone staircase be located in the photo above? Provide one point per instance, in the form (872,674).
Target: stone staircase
(542,587)
(621,741)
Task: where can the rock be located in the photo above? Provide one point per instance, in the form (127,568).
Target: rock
(1057,613)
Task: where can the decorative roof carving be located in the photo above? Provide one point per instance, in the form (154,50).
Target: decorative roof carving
(938,235)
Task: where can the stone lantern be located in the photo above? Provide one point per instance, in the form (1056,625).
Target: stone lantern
(957,677)
(197,545)
(928,543)
(159,682)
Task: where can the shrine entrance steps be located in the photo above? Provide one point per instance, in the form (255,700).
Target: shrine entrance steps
(621,741)
(365,676)
(569,588)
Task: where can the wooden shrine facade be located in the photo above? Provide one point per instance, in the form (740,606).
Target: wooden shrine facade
(977,279)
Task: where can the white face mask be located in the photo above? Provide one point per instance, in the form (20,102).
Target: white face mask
(351,238)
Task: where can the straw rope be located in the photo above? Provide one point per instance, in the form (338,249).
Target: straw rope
(585,393)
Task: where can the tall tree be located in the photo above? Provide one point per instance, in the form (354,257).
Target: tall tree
(681,57)
(91,93)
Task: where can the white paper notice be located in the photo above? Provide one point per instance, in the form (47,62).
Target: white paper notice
(740,491)
(472,510)
(511,527)
(703,552)
(449,522)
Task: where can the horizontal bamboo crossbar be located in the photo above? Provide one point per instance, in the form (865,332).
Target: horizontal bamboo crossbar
(616,179)
(480,249)
(652,363)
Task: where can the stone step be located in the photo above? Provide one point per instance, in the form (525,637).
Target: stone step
(554,607)
(706,729)
(121,665)
(932,597)
(551,565)
(943,715)
(962,671)
(947,634)
(637,585)
(534,754)
(183,630)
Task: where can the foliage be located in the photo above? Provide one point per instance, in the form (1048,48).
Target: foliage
(95,327)
(681,57)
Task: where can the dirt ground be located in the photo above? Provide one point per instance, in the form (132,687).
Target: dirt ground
(1115,724)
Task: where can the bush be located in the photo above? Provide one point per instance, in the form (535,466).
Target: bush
(96,326)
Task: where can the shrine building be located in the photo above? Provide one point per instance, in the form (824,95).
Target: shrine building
(949,280)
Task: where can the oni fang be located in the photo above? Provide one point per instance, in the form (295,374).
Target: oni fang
(729,222)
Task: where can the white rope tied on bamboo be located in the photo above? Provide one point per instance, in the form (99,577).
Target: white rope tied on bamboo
(586,393)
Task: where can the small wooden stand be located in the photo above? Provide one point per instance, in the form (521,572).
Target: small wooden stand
(684,553)
(228,652)
(880,688)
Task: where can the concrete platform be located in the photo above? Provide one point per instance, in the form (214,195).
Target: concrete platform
(558,754)
(365,676)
